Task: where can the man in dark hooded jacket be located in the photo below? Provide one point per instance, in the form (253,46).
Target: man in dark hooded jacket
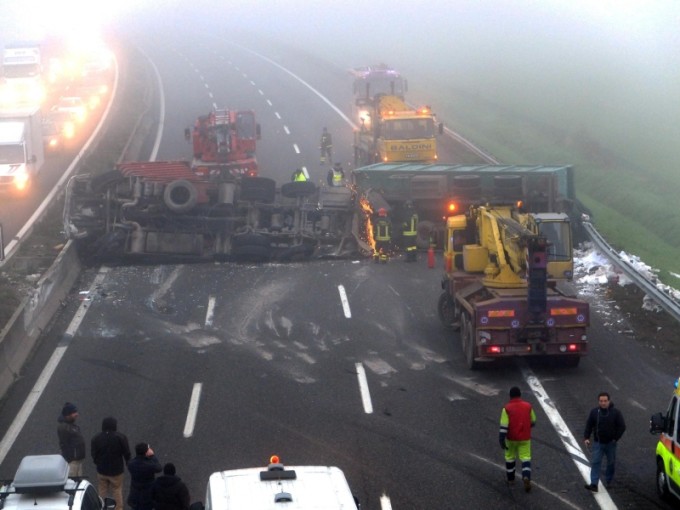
(71,440)
(169,491)
(110,452)
(143,468)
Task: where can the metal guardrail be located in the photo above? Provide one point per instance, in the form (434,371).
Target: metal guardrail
(668,303)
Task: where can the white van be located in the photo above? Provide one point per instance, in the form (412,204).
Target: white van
(279,488)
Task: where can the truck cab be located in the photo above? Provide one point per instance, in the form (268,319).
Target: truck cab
(278,487)
(21,150)
(668,448)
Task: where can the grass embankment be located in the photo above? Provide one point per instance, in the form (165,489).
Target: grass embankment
(634,207)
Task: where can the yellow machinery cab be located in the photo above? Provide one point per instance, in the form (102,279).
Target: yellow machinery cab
(668,448)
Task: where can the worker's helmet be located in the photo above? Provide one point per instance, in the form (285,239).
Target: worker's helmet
(382,212)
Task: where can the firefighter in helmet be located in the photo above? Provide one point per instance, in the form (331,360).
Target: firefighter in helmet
(326,146)
(382,235)
(409,232)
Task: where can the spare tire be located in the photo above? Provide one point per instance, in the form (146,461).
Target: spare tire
(298,189)
(258,189)
(180,196)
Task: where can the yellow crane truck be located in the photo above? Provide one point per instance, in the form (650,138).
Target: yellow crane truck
(507,287)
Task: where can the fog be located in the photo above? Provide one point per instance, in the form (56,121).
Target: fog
(605,68)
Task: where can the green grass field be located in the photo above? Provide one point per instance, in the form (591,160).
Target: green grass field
(632,194)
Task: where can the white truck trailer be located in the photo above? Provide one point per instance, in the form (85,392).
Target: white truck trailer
(21,150)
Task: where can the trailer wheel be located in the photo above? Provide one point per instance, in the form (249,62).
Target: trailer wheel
(467,335)
(258,189)
(298,189)
(448,312)
(296,253)
(180,196)
(251,253)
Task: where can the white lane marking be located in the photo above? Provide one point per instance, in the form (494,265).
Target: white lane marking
(319,94)
(539,486)
(161,117)
(269,102)
(193,410)
(304,171)
(206,86)
(252,83)
(363,387)
(385,502)
(260,92)
(165,286)
(210,313)
(344,301)
(214,106)
(469,383)
(210,95)
(297,149)
(22,416)
(277,115)
(602,497)
(285,128)
(393,290)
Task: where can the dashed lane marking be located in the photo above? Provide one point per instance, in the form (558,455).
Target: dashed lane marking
(363,388)
(344,301)
(193,410)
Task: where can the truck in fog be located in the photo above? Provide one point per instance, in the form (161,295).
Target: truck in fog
(21,150)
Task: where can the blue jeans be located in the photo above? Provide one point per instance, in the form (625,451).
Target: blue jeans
(602,450)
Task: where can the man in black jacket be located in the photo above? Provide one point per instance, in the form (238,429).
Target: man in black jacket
(169,491)
(110,452)
(606,424)
(143,468)
(71,440)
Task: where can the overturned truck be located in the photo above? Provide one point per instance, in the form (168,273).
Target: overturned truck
(175,210)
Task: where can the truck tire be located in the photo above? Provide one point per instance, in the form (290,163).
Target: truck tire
(424,230)
(258,189)
(296,253)
(467,334)
(251,253)
(662,481)
(448,314)
(298,189)
(180,196)
(250,239)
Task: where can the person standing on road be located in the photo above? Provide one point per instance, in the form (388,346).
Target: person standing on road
(110,452)
(169,492)
(71,440)
(606,425)
(517,419)
(143,468)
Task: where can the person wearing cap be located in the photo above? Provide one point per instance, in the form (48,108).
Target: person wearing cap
(110,451)
(169,492)
(71,440)
(143,468)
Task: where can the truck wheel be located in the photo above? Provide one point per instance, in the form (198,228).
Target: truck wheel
(662,481)
(250,239)
(180,196)
(298,189)
(258,189)
(467,335)
(448,313)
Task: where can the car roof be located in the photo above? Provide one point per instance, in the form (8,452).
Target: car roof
(42,481)
(308,487)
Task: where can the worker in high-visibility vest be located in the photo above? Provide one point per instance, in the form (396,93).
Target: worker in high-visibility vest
(382,235)
(409,233)
(298,176)
(336,175)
